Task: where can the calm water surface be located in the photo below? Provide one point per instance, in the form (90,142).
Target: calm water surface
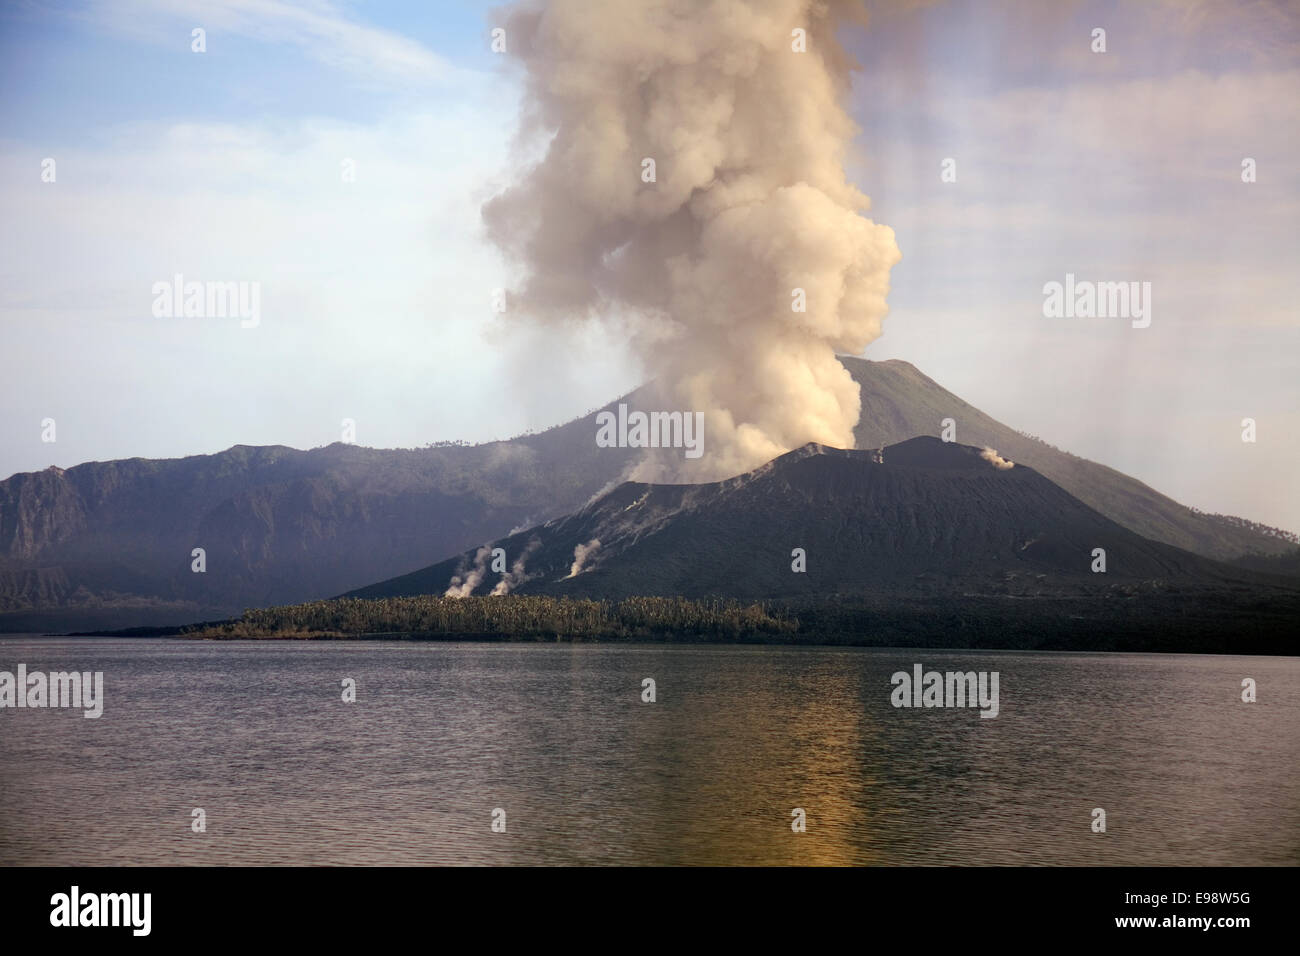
(257,735)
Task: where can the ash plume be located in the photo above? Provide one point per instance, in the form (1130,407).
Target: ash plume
(749,202)
(997,461)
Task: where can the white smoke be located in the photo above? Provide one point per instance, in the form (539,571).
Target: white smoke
(462,583)
(529,522)
(516,576)
(996,460)
(580,555)
(750,202)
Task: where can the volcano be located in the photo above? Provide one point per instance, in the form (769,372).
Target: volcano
(110,544)
(921,516)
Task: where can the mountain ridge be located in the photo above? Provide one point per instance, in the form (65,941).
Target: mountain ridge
(921,516)
(109,543)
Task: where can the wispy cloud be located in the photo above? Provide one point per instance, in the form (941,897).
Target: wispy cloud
(324,31)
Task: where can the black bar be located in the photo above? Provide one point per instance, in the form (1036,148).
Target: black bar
(949,907)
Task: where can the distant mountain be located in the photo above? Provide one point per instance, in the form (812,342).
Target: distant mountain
(108,544)
(922,516)
(899,402)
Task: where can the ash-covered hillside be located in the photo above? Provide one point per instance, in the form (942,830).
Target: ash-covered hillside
(923,516)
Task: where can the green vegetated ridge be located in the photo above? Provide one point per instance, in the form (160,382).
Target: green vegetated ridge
(509,617)
(1219,621)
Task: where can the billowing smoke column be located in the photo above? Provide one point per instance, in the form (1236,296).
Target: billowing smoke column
(695,180)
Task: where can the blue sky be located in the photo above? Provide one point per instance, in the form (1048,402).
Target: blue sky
(225,165)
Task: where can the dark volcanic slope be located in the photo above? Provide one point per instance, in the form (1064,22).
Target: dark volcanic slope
(108,543)
(932,517)
(899,402)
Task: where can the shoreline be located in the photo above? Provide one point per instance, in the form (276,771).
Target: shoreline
(1213,622)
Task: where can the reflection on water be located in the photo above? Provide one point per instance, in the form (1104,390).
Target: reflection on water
(556,735)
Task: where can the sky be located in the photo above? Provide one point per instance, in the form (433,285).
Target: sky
(376,293)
